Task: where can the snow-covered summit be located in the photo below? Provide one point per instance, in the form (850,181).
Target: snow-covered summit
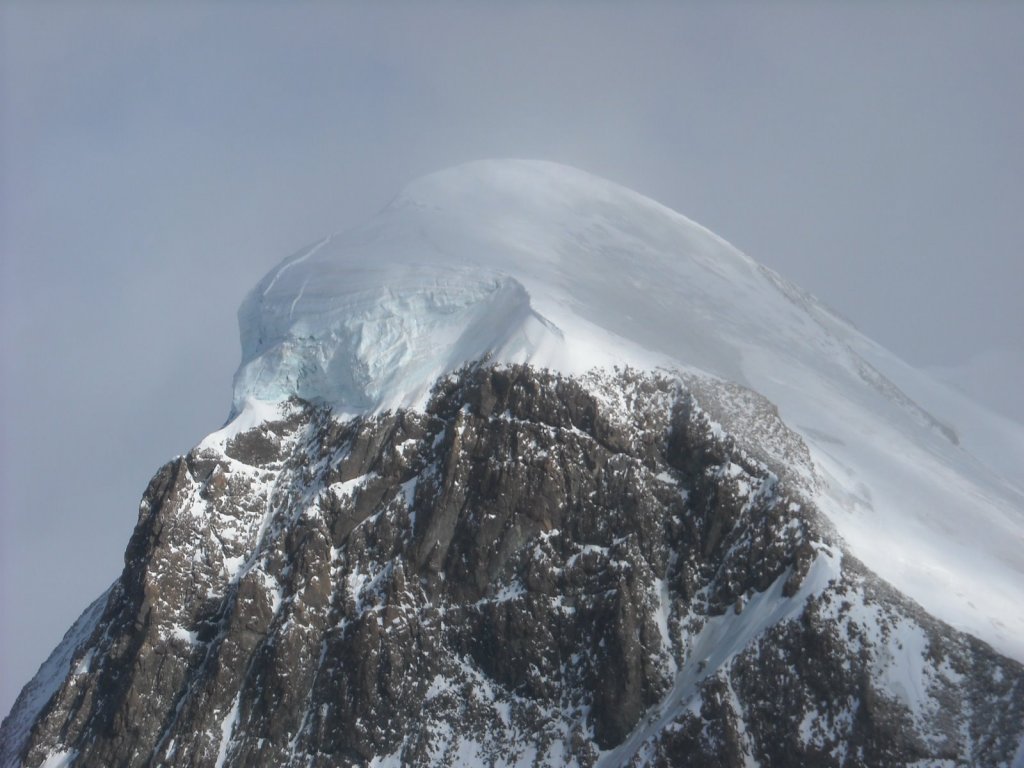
(516,260)
(526,261)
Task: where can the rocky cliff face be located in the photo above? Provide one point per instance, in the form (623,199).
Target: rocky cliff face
(536,570)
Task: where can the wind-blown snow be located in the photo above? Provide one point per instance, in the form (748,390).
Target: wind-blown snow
(992,376)
(524,261)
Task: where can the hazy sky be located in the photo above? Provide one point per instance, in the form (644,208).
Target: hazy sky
(156,160)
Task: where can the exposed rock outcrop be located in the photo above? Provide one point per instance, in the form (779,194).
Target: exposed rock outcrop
(536,570)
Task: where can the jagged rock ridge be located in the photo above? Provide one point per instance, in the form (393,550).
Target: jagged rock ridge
(534,569)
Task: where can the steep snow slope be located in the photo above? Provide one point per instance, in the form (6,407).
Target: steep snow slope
(525,261)
(992,377)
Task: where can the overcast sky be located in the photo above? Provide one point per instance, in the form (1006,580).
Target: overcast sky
(155,161)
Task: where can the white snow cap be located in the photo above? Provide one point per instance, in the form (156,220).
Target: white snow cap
(514,260)
(528,261)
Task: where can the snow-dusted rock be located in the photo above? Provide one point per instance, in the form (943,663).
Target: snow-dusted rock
(534,262)
(527,573)
(531,470)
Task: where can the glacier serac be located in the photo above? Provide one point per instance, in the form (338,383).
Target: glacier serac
(528,261)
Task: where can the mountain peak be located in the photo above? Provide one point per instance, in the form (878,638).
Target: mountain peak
(412,564)
(530,262)
(514,260)
(518,184)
